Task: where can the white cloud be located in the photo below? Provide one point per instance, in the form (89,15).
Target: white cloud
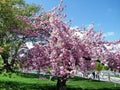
(109,34)
(80,35)
(74,27)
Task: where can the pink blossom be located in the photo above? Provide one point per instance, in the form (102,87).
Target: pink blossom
(64,53)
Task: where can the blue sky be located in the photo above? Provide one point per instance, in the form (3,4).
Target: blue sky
(105,14)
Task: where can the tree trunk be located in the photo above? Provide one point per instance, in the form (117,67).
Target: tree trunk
(7,66)
(12,62)
(61,83)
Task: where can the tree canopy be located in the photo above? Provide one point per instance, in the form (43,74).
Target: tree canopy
(9,40)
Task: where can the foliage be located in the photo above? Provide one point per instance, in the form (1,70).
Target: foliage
(105,68)
(9,40)
(99,66)
(1,62)
(8,21)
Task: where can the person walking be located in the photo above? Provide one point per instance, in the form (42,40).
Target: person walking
(93,74)
(97,75)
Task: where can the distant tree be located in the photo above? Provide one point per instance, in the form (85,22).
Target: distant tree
(9,40)
(99,66)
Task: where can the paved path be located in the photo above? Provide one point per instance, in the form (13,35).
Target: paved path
(112,79)
(104,77)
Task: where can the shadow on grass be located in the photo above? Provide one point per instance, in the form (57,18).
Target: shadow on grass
(24,86)
(31,75)
(76,78)
(26,75)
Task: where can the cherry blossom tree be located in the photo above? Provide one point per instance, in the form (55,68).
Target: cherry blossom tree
(64,50)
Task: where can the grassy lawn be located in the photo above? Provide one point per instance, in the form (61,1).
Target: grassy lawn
(21,81)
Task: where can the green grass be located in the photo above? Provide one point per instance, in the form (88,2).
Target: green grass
(22,81)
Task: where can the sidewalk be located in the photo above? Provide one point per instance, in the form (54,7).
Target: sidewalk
(105,78)
(112,79)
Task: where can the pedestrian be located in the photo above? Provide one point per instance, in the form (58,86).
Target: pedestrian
(97,75)
(93,74)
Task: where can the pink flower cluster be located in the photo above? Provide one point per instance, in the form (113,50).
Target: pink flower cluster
(65,53)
